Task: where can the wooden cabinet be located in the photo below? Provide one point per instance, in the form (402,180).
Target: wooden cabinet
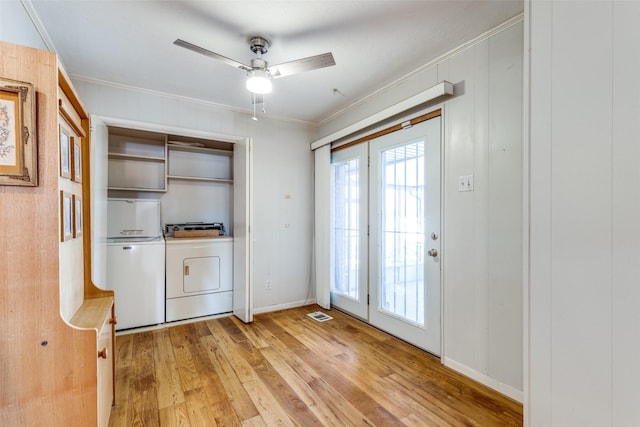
(100,311)
(55,322)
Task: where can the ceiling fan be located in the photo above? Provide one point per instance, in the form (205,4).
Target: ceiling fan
(259,72)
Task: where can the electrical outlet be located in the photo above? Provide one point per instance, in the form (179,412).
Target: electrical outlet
(465,183)
(268,284)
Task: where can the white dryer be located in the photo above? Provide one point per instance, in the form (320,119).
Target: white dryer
(199,278)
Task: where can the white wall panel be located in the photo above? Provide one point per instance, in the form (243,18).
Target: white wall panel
(626,211)
(583,293)
(581,227)
(99,159)
(481,208)
(504,202)
(283,214)
(538,401)
(459,215)
(170,110)
(149,106)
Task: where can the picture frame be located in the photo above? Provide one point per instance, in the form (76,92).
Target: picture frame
(65,153)
(77,159)
(77,216)
(66,216)
(18,148)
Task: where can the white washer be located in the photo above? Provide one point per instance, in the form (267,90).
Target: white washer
(135,271)
(199,277)
(135,262)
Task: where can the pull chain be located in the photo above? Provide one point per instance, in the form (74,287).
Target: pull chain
(254,106)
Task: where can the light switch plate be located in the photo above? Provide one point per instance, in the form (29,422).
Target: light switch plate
(465,183)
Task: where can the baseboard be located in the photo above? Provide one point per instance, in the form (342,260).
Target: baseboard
(279,307)
(500,387)
(170,324)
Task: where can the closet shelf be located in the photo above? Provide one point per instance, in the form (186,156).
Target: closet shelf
(156,190)
(201,179)
(136,157)
(172,146)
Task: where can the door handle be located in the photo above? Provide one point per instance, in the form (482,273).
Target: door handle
(432,252)
(186,270)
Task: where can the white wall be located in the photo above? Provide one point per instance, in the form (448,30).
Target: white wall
(584,253)
(17,27)
(282,174)
(482,237)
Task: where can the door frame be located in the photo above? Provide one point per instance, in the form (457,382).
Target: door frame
(401,119)
(247,285)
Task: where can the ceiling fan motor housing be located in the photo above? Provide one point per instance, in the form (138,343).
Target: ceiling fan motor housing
(258,64)
(259,45)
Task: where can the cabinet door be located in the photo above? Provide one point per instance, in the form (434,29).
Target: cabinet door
(105,373)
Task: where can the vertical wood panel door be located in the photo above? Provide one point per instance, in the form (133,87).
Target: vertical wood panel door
(386,233)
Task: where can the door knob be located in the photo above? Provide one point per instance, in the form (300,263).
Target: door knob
(432,252)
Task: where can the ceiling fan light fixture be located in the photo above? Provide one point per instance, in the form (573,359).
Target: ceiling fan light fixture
(259,82)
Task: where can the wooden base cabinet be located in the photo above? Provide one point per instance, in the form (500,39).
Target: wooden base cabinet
(56,326)
(100,311)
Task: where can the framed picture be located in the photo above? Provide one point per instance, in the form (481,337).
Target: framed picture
(77,216)
(65,153)
(77,159)
(18,151)
(66,216)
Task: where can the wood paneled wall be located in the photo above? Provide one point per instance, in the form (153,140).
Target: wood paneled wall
(39,377)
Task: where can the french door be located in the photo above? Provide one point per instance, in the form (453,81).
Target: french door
(385,223)
(349,224)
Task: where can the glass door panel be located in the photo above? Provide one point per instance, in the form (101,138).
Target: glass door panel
(349,251)
(402,230)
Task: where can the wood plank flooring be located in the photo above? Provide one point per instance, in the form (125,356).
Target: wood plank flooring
(287,369)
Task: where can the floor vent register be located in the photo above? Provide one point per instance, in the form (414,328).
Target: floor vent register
(319,316)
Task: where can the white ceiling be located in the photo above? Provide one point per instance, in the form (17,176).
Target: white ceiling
(373,42)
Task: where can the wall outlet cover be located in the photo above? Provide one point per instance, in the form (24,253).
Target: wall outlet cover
(465,183)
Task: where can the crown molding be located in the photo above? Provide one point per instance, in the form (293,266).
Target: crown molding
(39,26)
(121,86)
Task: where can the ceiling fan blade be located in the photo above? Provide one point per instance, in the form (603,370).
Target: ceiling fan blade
(302,65)
(210,54)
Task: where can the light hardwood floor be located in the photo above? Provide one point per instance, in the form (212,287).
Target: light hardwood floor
(288,369)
